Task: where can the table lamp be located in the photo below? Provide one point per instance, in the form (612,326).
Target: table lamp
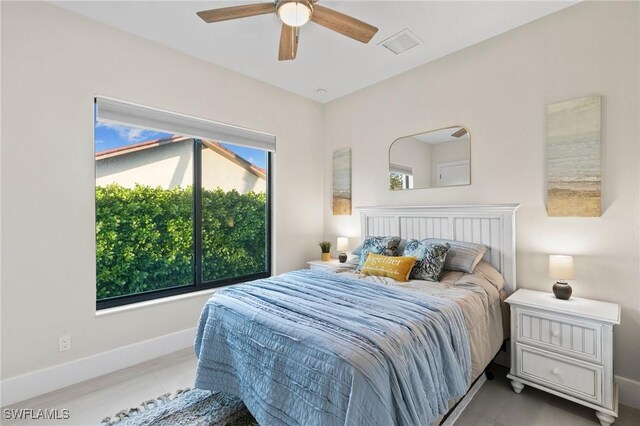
(342,246)
(561,268)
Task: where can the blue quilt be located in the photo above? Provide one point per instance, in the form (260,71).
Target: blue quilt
(314,348)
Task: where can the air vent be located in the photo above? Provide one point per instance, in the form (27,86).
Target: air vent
(401,42)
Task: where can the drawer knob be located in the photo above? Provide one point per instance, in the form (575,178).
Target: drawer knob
(555,333)
(555,371)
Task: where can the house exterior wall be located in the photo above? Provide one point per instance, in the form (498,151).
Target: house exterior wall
(218,171)
(171,165)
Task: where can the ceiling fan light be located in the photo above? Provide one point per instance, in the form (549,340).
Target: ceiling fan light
(294,13)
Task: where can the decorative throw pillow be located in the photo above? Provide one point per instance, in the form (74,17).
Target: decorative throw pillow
(387,246)
(430,259)
(462,256)
(358,250)
(396,267)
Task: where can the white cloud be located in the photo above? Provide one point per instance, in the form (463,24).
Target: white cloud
(129,134)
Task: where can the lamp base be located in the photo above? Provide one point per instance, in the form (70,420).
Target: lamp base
(562,290)
(342,257)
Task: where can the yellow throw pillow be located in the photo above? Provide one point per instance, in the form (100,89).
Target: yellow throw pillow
(396,267)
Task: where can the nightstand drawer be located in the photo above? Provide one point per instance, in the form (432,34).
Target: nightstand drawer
(577,378)
(557,333)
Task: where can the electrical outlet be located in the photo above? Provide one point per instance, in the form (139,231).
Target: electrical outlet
(64,344)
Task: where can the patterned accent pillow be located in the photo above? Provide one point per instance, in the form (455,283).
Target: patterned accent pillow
(430,259)
(358,250)
(396,267)
(462,256)
(387,246)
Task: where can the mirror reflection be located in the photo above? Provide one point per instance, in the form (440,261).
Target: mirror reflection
(431,159)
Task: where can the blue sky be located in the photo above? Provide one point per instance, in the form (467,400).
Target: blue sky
(110,136)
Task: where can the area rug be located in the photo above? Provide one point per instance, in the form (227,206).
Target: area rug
(189,407)
(195,407)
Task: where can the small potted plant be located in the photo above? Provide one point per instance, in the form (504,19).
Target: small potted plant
(325,246)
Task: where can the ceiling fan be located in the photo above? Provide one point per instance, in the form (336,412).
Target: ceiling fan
(459,133)
(294,14)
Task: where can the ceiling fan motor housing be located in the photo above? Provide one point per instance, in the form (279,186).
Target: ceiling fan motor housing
(294,13)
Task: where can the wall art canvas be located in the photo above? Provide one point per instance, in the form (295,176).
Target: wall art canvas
(573,157)
(342,181)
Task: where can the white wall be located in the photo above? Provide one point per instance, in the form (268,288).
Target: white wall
(448,151)
(413,152)
(53,64)
(502,87)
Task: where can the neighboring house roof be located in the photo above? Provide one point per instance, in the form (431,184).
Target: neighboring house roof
(213,145)
(230,155)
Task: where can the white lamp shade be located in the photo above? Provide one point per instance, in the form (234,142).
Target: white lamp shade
(343,244)
(294,13)
(561,267)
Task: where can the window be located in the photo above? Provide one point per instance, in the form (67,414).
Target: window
(400,176)
(176,212)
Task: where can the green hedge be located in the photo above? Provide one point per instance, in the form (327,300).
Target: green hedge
(144,237)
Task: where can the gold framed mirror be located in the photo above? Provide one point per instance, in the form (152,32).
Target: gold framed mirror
(437,158)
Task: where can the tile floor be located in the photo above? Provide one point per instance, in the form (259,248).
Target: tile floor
(494,405)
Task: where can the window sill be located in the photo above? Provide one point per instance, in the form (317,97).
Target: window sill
(147,303)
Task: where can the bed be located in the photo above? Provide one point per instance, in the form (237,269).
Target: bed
(324,348)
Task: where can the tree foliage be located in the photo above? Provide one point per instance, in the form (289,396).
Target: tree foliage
(395,181)
(144,237)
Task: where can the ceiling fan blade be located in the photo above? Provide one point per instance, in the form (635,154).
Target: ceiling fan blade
(343,24)
(235,12)
(459,133)
(288,43)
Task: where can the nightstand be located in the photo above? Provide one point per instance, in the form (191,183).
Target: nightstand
(565,347)
(320,264)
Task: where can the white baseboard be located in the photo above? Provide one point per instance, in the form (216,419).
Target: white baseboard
(628,391)
(39,382)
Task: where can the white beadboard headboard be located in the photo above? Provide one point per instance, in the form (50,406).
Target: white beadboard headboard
(493,225)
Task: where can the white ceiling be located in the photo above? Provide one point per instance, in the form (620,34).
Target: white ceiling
(439,136)
(326,60)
